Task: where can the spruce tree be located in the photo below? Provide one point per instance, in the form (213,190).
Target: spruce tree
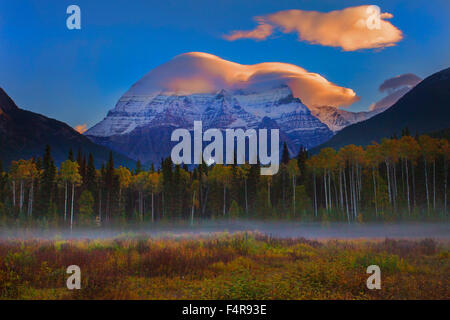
(101,187)
(301,163)
(70,155)
(177,194)
(109,183)
(138,167)
(91,175)
(167,191)
(79,157)
(285,154)
(83,167)
(407,132)
(47,194)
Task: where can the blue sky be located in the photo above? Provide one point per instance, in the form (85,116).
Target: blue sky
(76,76)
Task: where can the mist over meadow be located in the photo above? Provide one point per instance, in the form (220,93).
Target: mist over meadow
(276,229)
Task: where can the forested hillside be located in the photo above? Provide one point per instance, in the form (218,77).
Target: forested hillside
(403,178)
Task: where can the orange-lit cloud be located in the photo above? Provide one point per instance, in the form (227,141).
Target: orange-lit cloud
(198,72)
(81,128)
(351,29)
(261,32)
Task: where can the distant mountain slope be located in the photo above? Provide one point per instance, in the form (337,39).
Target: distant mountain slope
(337,119)
(426,108)
(24,134)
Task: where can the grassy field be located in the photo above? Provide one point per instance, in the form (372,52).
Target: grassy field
(224,266)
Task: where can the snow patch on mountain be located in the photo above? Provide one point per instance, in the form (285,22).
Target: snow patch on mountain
(337,119)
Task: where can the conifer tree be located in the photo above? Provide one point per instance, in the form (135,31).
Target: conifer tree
(285,154)
(70,155)
(301,163)
(166,167)
(138,167)
(79,157)
(101,187)
(81,160)
(109,183)
(48,182)
(91,175)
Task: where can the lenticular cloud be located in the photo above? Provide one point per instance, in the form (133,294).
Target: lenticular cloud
(396,88)
(198,72)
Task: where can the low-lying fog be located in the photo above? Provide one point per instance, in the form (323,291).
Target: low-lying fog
(284,229)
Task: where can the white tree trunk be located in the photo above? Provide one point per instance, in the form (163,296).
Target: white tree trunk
(346,196)
(192,210)
(246,198)
(65,203)
(71,210)
(21,195)
(355,201)
(340,189)
(394,180)
(315,195)
(120,200)
(329,190)
(30,199)
(375,190)
(407,186)
(413,185)
(434,184)
(153,209)
(14,193)
(293,187)
(163,206)
(445,186)
(224,199)
(141,206)
(100,204)
(325,189)
(388,181)
(426,186)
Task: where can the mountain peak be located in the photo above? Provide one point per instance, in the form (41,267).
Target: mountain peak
(336,119)
(6,103)
(24,134)
(223,94)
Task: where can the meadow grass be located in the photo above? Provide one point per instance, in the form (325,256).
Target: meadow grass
(224,266)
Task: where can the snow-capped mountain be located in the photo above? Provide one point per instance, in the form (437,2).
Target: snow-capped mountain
(140,126)
(337,119)
(222,94)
